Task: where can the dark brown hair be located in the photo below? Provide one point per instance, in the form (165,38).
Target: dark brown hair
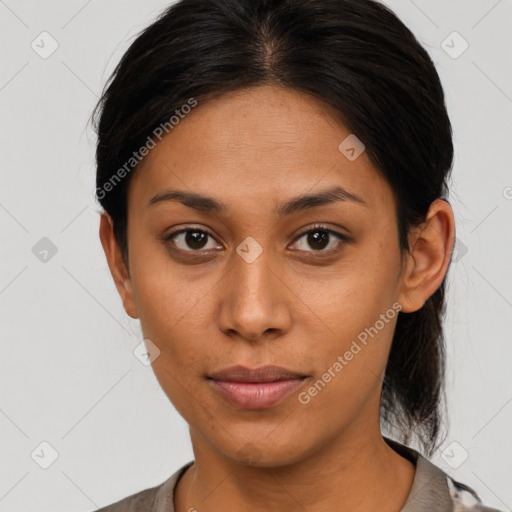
(355,55)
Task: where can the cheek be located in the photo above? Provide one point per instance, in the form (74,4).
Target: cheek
(176,314)
(348,299)
(350,364)
(352,313)
(170,312)
(161,294)
(174,320)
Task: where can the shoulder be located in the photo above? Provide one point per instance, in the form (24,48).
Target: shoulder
(464,498)
(159,498)
(458,497)
(434,489)
(143,501)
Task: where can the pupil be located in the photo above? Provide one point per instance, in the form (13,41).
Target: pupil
(194,239)
(318,239)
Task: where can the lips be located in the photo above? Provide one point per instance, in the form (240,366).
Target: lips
(258,388)
(262,374)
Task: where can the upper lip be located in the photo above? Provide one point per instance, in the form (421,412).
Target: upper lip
(262,374)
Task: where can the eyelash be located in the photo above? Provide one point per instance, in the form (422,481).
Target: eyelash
(317,227)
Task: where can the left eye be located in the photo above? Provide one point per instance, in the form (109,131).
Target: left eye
(319,238)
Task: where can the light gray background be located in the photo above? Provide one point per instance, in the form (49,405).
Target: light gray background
(69,376)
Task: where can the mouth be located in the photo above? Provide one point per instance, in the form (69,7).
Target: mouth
(258,388)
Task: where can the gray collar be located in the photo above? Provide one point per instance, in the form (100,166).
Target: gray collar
(429,489)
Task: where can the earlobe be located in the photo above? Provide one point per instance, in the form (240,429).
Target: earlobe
(116,264)
(431,246)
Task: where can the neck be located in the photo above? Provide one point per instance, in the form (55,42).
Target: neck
(358,472)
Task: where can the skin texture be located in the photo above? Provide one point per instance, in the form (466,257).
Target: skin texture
(296,305)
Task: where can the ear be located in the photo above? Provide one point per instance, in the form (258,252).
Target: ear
(431,246)
(116,264)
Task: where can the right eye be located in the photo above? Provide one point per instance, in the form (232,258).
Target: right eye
(191,240)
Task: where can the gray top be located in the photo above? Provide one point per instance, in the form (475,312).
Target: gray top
(432,490)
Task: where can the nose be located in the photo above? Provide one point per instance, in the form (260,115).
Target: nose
(255,301)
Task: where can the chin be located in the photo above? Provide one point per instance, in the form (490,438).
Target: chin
(265,453)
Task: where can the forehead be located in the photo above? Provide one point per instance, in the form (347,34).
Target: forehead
(263,139)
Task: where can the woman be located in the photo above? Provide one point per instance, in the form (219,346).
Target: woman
(273,176)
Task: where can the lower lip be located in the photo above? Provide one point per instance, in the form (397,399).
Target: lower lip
(256,395)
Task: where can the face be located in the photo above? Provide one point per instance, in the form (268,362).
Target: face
(254,283)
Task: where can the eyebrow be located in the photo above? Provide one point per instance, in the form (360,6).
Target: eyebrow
(294,205)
